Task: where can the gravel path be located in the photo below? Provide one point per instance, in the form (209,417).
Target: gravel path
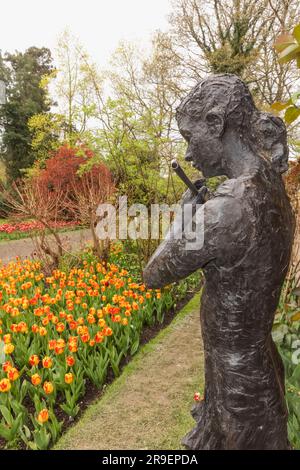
(24,248)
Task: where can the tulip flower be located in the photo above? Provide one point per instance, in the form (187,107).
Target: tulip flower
(47,362)
(8,348)
(198,396)
(48,388)
(6,366)
(5,385)
(36,379)
(34,360)
(13,374)
(43,416)
(70,360)
(69,378)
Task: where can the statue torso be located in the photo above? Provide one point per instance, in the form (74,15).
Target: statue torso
(243,282)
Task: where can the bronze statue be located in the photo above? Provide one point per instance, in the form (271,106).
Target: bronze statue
(248,228)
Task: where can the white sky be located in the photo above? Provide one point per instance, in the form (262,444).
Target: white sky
(98,24)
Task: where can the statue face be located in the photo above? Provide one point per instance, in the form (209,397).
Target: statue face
(205,148)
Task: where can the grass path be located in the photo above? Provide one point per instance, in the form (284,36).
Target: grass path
(148,406)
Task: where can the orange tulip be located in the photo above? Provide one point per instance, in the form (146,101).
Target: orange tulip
(99,337)
(5,385)
(107,331)
(85,338)
(91,319)
(48,388)
(70,360)
(13,374)
(73,325)
(47,362)
(34,360)
(6,366)
(22,327)
(45,321)
(52,344)
(7,338)
(60,346)
(42,331)
(36,379)
(8,348)
(198,396)
(69,378)
(35,328)
(60,327)
(43,416)
(73,347)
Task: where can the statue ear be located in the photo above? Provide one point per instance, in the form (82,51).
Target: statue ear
(215,122)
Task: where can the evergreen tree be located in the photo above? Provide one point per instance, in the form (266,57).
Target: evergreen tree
(22,73)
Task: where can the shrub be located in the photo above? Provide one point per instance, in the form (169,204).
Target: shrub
(62,174)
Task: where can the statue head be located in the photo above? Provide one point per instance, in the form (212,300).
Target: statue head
(220,113)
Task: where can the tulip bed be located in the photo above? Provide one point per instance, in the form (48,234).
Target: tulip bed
(59,333)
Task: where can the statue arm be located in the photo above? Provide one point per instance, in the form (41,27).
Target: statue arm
(218,225)
(176,258)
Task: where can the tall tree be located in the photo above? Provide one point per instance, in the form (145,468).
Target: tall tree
(23,73)
(75,86)
(234,36)
(271,80)
(139,121)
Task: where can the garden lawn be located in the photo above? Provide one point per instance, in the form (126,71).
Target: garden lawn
(148,406)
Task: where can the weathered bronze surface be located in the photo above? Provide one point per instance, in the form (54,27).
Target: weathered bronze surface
(247,229)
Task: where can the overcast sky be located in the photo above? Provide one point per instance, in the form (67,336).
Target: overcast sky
(99,24)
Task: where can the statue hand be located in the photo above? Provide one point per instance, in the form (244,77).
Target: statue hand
(190,198)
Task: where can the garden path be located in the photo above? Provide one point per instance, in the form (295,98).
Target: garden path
(24,248)
(148,406)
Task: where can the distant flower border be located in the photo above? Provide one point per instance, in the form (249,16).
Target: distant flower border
(25,227)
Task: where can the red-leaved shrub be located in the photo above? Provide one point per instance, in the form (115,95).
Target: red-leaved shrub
(61,174)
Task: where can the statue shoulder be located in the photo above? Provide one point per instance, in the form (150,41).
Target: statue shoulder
(227,208)
(227,225)
(223,209)
(234,187)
